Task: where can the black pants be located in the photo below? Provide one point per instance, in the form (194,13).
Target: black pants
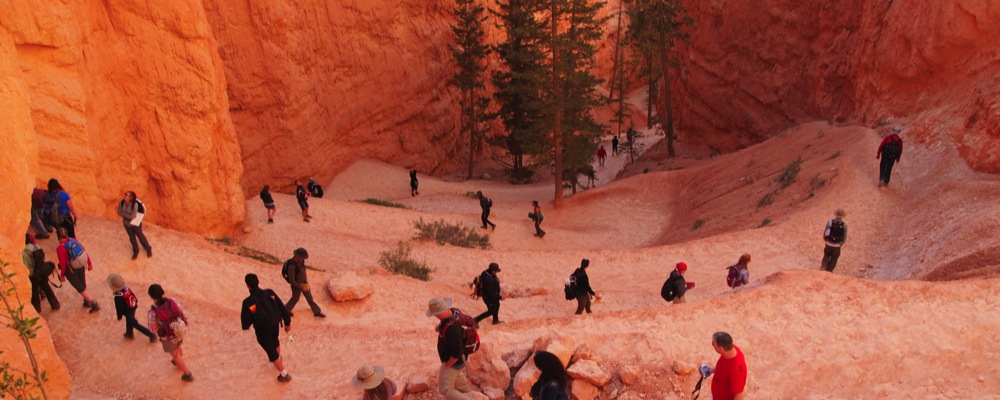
(492,308)
(885,168)
(69,225)
(136,232)
(830,256)
(267,338)
(486,219)
(296,292)
(38,287)
(538,228)
(131,322)
(582,303)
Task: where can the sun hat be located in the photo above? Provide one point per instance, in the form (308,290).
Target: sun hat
(840,213)
(300,252)
(368,377)
(494,267)
(437,306)
(681,266)
(116,282)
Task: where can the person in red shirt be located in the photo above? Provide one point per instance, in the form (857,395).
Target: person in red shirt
(890,150)
(601,155)
(77,277)
(730,371)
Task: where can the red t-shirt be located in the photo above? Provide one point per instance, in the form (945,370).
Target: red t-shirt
(730,376)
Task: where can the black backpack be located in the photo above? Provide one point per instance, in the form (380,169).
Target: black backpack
(285,268)
(733,279)
(477,287)
(668,292)
(267,312)
(570,289)
(838,231)
(893,148)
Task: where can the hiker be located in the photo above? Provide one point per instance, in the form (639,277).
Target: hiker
(132,211)
(676,286)
(266,313)
(59,209)
(452,382)
(536,216)
(614,145)
(834,235)
(38,274)
(125,305)
(303,198)
(730,370)
(265,196)
(42,230)
(372,380)
(890,150)
(74,262)
(553,381)
(485,203)
(413,183)
(168,320)
(738,274)
(601,155)
(315,189)
(490,292)
(295,274)
(583,290)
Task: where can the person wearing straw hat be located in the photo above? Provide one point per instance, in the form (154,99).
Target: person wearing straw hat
(125,305)
(452,382)
(265,312)
(372,380)
(835,235)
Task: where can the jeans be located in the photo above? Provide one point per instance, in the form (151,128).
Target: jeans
(582,303)
(486,219)
(131,322)
(830,256)
(296,291)
(492,308)
(453,384)
(136,232)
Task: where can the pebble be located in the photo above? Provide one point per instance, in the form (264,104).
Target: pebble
(981,379)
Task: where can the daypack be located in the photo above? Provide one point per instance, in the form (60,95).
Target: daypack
(285,270)
(470,335)
(168,323)
(477,287)
(130,300)
(489,202)
(265,311)
(316,191)
(733,279)
(838,231)
(77,255)
(570,287)
(43,271)
(893,148)
(669,291)
(51,208)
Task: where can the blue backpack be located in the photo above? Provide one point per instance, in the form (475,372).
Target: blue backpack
(78,257)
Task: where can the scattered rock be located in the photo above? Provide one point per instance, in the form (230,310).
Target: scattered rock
(583,390)
(981,379)
(517,357)
(247,229)
(589,371)
(487,369)
(349,287)
(476,396)
(486,176)
(583,352)
(418,384)
(526,377)
(560,345)
(683,368)
(629,374)
(494,393)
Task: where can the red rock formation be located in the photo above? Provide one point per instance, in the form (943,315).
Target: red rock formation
(756,68)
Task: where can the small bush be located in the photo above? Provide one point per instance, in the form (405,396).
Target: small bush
(645,170)
(246,252)
(453,234)
(223,240)
(765,222)
(398,261)
(768,199)
(791,172)
(383,203)
(472,195)
(698,224)
(834,155)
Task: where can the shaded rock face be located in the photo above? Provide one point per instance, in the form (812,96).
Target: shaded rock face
(316,85)
(129,97)
(754,69)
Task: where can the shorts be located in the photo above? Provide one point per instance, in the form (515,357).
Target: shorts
(169,346)
(77,278)
(268,340)
(303,204)
(269,206)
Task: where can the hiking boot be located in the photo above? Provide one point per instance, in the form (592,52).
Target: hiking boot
(149,252)
(187,377)
(86,303)
(94,307)
(284,379)
(270,220)
(135,255)
(129,336)
(497,322)
(152,339)
(305,219)
(319,315)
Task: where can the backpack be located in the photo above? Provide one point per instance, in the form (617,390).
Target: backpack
(266,311)
(78,257)
(51,208)
(838,231)
(43,270)
(470,335)
(285,268)
(668,292)
(131,302)
(570,287)
(733,279)
(477,285)
(169,325)
(316,191)
(893,148)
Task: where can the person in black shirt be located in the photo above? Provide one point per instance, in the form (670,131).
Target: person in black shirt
(265,196)
(266,313)
(303,197)
(490,284)
(413,183)
(486,204)
(583,290)
(452,382)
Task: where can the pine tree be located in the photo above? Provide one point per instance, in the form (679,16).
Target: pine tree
(470,52)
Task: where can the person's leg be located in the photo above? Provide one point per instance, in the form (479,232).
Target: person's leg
(131,238)
(178,356)
(312,303)
(36,300)
(296,292)
(142,240)
(586,303)
(131,322)
(49,294)
(449,381)
(580,303)
(888,168)
(827,256)
(493,307)
(834,255)
(485,218)
(70,227)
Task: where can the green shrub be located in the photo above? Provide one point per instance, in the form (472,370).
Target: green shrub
(453,234)
(765,222)
(383,203)
(398,261)
(768,199)
(698,224)
(472,194)
(791,172)
(246,252)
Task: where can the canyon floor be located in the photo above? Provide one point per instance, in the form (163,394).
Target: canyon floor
(875,328)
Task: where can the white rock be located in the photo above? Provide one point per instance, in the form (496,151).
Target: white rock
(583,390)
(583,352)
(517,357)
(589,371)
(349,287)
(488,369)
(526,377)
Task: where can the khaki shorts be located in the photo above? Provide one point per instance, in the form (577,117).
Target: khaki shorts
(169,346)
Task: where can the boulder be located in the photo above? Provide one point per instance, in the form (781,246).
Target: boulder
(418,384)
(476,396)
(562,346)
(494,393)
(683,368)
(583,352)
(589,371)
(583,390)
(629,374)
(526,377)
(487,369)
(516,358)
(349,287)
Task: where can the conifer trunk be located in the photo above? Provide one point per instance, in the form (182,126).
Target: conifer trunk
(667,107)
(557,107)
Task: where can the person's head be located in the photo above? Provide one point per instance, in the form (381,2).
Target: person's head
(896,129)
(681,267)
(28,239)
(267,188)
(61,233)
(311,180)
(298,182)
(129,196)
(494,267)
(300,255)
(744,260)
(722,342)
(252,281)
(116,282)
(370,378)
(479,194)
(54,185)
(584,263)
(155,292)
(439,307)
(840,213)
(551,367)
(534,203)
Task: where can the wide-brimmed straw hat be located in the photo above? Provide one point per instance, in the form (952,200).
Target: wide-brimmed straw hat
(116,282)
(438,305)
(368,377)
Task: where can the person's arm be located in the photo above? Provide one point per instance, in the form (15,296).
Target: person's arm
(176,308)
(119,306)
(90,260)
(292,274)
(453,342)
(286,316)
(878,153)
(63,257)
(900,155)
(72,208)
(246,316)
(826,232)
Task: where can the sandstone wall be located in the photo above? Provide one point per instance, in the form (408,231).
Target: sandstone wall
(315,85)
(755,68)
(125,96)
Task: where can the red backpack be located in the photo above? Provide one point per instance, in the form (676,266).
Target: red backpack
(470,333)
(734,279)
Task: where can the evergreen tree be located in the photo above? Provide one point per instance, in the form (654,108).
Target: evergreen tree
(470,52)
